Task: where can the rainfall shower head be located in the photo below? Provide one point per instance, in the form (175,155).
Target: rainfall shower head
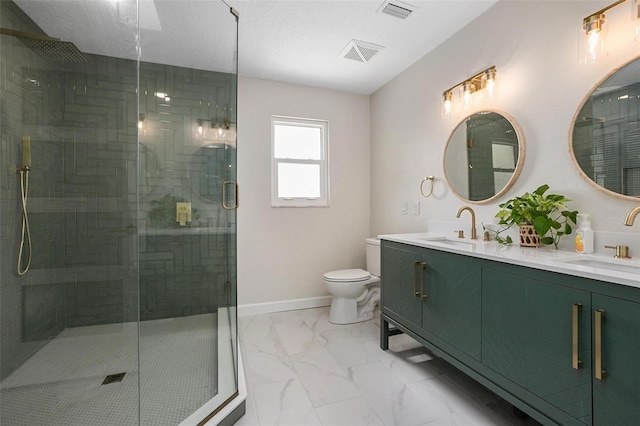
(50,48)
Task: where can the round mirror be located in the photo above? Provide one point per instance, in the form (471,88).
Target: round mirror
(209,168)
(605,139)
(484,156)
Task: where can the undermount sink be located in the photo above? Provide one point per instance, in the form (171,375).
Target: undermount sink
(455,242)
(615,264)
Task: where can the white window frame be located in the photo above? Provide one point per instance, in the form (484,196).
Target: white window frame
(323,162)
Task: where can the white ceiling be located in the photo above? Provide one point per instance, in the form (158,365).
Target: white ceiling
(300,41)
(297,41)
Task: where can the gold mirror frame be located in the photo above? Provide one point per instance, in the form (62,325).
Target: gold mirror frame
(518,166)
(571,132)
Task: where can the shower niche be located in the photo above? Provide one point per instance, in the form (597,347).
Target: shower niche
(112,120)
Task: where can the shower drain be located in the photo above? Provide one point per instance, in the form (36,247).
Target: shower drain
(113,378)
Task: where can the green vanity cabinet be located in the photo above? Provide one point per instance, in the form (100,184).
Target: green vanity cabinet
(436,294)
(452,308)
(401,268)
(563,348)
(616,345)
(529,326)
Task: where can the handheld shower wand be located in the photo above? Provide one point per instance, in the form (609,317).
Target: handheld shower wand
(24,189)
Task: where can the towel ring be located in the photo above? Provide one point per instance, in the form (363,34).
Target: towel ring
(430,179)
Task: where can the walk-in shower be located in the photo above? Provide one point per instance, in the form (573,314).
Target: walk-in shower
(117,212)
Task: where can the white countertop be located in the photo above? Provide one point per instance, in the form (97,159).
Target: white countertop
(597,267)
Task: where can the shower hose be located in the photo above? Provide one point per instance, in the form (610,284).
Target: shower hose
(26,232)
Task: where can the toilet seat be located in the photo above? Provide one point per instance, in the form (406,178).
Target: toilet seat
(347,275)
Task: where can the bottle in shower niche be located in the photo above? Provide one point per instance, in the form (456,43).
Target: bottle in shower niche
(584,234)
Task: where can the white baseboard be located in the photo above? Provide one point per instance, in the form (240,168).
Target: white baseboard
(283,305)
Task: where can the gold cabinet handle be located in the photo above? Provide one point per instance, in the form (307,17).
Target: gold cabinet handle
(423,296)
(599,372)
(224,195)
(575,311)
(415,278)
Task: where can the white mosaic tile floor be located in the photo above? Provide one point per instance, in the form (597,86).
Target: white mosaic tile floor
(302,370)
(62,383)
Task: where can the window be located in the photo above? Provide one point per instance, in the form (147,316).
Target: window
(299,170)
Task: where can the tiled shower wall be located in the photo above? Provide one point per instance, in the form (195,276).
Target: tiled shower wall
(88,234)
(32,306)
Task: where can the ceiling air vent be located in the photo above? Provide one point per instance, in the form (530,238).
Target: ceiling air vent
(396,9)
(360,51)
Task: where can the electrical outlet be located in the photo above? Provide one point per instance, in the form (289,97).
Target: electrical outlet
(416,207)
(403,207)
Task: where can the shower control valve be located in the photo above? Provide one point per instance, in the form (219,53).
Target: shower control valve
(183,213)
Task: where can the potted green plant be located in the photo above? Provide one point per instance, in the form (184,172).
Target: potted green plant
(542,219)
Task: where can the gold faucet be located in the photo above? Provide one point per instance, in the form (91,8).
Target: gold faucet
(473,220)
(631,216)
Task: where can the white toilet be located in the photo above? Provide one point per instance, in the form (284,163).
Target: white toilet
(355,292)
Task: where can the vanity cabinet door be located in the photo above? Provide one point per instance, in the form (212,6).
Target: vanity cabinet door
(452,307)
(401,280)
(616,349)
(528,333)
(556,370)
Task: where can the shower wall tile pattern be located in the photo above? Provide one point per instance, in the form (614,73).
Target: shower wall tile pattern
(90,236)
(32,306)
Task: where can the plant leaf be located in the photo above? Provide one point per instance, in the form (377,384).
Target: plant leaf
(541,189)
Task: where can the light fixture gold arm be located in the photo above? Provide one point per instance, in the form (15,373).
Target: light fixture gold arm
(593,22)
(476,80)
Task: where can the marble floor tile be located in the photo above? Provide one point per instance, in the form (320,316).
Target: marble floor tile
(302,370)
(318,320)
(284,403)
(445,399)
(325,381)
(352,412)
(393,401)
(409,365)
(346,350)
(295,334)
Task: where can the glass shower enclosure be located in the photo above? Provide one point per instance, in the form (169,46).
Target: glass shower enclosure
(117,212)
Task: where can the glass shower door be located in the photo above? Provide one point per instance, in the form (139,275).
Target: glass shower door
(68,246)
(187,110)
(117,211)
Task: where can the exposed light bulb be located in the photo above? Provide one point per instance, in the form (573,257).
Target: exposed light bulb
(593,40)
(593,46)
(446,104)
(491,82)
(200,129)
(467,90)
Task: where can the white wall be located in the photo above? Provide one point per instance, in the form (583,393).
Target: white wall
(283,252)
(534,45)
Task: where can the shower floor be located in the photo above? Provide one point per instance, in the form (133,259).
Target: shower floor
(62,383)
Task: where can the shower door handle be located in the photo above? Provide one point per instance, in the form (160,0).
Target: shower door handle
(224,195)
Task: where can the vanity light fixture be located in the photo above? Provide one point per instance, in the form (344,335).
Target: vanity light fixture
(485,79)
(592,45)
(162,95)
(214,124)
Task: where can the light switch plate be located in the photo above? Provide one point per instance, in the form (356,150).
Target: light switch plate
(416,207)
(403,207)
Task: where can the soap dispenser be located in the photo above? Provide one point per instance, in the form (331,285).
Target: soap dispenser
(584,234)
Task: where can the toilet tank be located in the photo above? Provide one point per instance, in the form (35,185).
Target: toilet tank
(373,256)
